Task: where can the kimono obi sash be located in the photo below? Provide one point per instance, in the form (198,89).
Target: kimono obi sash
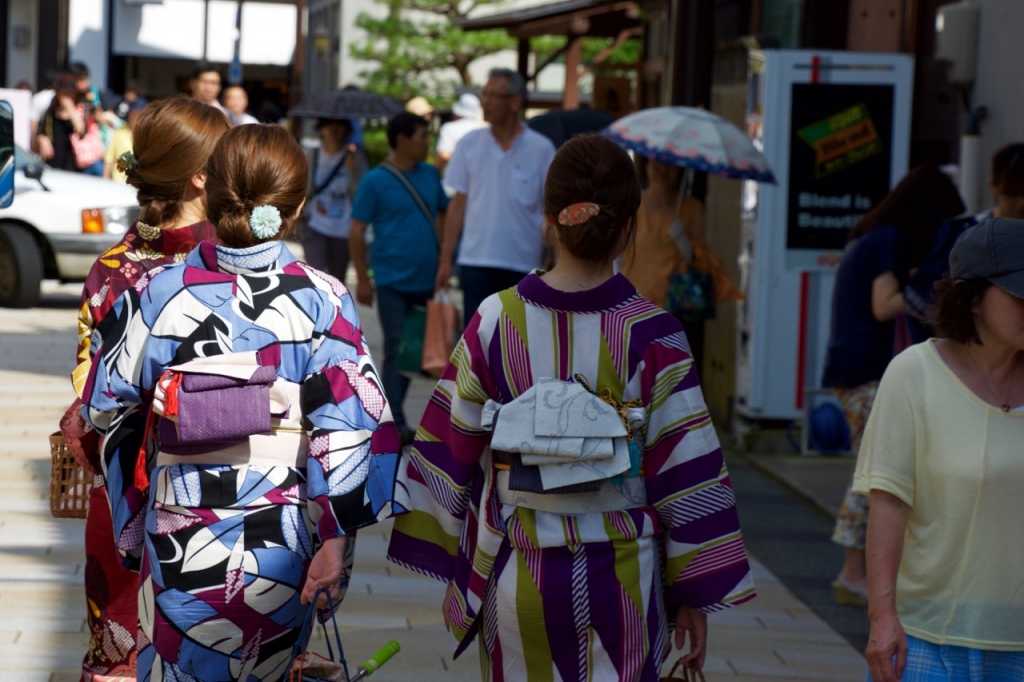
(229,409)
(559,439)
(610,496)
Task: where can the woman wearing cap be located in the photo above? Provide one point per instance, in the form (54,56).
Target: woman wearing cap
(274,440)
(941,460)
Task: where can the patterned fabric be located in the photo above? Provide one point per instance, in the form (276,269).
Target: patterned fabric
(110,588)
(851,528)
(927,662)
(692,138)
(571,596)
(303,323)
(223,573)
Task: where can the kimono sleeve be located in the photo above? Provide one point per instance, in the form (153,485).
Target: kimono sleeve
(888,451)
(439,481)
(688,485)
(353,443)
(112,401)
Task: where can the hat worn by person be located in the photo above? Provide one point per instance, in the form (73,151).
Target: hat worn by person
(992,250)
(467,106)
(420,106)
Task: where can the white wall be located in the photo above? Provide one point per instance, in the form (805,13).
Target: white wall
(87,37)
(21,62)
(174,29)
(349,68)
(998,85)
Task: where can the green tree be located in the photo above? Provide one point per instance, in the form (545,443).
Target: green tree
(411,55)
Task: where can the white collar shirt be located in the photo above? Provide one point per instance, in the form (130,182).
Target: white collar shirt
(504,190)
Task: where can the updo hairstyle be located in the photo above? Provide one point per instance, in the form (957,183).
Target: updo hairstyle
(592,168)
(254,165)
(172,140)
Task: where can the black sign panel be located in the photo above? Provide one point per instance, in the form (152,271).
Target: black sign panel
(840,154)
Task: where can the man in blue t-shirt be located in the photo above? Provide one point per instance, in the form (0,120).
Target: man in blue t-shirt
(405,242)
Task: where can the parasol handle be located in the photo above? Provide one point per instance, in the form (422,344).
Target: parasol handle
(371,666)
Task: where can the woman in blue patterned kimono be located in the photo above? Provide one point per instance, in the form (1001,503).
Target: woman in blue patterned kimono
(244,522)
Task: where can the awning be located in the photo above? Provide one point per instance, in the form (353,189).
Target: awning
(602,18)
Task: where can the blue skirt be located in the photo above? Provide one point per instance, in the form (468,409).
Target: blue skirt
(927,662)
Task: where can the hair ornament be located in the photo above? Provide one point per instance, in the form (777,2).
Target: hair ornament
(577,214)
(127,162)
(265,221)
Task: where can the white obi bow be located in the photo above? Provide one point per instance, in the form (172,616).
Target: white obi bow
(569,433)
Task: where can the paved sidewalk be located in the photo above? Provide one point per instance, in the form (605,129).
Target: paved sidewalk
(42,638)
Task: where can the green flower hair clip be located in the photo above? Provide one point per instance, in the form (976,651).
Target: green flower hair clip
(127,162)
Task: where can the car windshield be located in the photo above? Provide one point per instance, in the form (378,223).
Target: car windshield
(23,158)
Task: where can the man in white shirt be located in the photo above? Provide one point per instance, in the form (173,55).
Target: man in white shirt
(498,177)
(236,101)
(205,85)
(467,119)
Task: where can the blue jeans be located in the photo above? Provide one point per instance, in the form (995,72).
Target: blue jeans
(95,169)
(479,283)
(392,307)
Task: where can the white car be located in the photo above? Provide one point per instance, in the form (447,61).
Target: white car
(57,226)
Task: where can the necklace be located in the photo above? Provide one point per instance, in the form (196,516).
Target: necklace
(1005,407)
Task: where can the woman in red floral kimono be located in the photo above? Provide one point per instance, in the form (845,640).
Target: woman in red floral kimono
(173,140)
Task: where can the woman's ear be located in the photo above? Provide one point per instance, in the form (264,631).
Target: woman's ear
(298,212)
(199,180)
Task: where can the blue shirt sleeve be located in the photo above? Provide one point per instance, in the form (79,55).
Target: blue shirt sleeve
(363,208)
(442,196)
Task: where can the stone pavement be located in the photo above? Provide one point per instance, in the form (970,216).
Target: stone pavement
(42,605)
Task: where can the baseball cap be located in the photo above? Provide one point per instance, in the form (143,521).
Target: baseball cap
(467,106)
(992,250)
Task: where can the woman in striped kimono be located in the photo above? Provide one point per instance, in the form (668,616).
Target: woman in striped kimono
(274,441)
(585,582)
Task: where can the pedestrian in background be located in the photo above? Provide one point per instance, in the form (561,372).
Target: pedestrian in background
(498,178)
(121,143)
(132,94)
(941,460)
(661,250)
(466,118)
(236,102)
(404,201)
(172,143)
(337,168)
(243,522)
(64,117)
(559,584)
(205,85)
(885,246)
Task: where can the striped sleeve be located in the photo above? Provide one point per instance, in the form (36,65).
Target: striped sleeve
(688,485)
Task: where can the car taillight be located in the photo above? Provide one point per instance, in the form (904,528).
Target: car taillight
(92,221)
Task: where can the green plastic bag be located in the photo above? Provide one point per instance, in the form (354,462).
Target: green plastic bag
(410,350)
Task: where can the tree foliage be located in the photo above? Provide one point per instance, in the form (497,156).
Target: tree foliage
(412,52)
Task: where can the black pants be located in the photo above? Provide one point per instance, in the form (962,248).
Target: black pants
(326,254)
(479,283)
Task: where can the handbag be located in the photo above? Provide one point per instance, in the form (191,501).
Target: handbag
(309,666)
(691,295)
(688,675)
(88,148)
(441,333)
(410,348)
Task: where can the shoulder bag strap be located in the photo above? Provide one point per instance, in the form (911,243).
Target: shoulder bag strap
(386,165)
(334,172)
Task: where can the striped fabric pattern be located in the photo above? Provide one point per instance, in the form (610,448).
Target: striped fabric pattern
(571,597)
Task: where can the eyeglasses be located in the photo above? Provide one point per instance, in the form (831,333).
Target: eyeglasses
(496,95)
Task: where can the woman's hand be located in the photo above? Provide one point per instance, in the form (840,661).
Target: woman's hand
(886,640)
(325,571)
(695,623)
